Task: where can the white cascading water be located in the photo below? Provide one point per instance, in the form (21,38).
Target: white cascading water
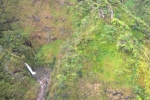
(29,68)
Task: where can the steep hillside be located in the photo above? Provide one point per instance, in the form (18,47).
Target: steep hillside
(31,31)
(90,49)
(106,59)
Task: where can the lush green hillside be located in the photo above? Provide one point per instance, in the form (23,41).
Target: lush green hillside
(95,49)
(106,54)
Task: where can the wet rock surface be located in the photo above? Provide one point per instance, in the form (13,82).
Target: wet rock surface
(42,76)
(43,86)
(41,72)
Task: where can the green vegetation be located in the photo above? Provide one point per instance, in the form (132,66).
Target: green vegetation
(47,53)
(95,49)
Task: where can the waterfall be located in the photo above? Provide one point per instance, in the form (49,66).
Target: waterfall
(29,68)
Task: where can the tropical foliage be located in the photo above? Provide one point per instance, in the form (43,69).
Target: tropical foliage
(95,49)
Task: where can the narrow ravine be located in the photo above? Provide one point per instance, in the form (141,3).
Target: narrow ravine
(43,86)
(42,75)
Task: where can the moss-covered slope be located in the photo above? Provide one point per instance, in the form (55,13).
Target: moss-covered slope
(95,49)
(102,61)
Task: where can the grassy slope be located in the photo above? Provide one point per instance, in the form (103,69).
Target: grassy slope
(50,9)
(88,63)
(92,59)
(26,12)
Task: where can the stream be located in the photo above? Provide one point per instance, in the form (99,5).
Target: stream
(43,86)
(42,75)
